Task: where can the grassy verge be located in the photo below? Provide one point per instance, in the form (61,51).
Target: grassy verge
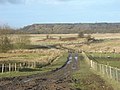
(114,84)
(56,64)
(85,79)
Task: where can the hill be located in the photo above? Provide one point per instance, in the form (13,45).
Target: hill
(71,28)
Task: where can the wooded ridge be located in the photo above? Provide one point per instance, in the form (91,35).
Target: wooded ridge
(72,28)
(67,28)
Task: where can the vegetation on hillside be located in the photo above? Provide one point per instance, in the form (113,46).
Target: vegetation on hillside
(71,28)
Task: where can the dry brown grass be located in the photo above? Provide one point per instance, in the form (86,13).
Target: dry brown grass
(112,41)
(40,39)
(107,36)
(108,45)
(30,55)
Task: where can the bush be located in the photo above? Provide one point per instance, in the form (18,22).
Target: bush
(21,42)
(5,44)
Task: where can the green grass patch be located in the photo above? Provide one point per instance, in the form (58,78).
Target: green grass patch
(57,63)
(85,79)
(108,58)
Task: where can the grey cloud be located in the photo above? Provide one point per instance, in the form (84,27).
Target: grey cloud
(11,1)
(23,1)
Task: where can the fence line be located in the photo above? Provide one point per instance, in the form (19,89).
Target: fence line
(17,66)
(9,67)
(106,70)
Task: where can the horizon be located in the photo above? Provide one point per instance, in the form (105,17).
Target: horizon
(27,12)
(74,23)
(61,23)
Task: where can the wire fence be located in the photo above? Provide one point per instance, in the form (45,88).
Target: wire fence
(106,70)
(17,66)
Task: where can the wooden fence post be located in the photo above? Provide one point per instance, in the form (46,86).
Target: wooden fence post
(110,72)
(106,70)
(9,67)
(34,64)
(116,70)
(102,69)
(29,66)
(20,65)
(98,67)
(15,67)
(24,64)
(2,68)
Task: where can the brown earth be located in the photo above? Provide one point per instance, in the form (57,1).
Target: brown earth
(59,79)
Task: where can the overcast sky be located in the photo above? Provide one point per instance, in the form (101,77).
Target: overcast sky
(18,13)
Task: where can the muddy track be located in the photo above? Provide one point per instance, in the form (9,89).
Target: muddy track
(58,79)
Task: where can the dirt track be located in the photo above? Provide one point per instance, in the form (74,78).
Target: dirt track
(59,79)
(55,80)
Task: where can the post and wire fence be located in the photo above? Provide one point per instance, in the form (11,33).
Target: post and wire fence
(16,66)
(106,70)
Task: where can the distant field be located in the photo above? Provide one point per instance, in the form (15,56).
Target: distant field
(104,46)
(107,36)
(54,35)
(43,36)
(41,39)
(111,41)
(97,35)
(106,58)
(36,55)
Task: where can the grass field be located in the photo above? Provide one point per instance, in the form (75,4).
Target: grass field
(38,55)
(83,79)
(109,43)
(56,64)
(41,39)
(106,58)
(107,36)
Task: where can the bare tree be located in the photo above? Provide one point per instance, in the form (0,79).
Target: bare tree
(5,29)
(5,41)
(21,42)
(47,36)
(81,34)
